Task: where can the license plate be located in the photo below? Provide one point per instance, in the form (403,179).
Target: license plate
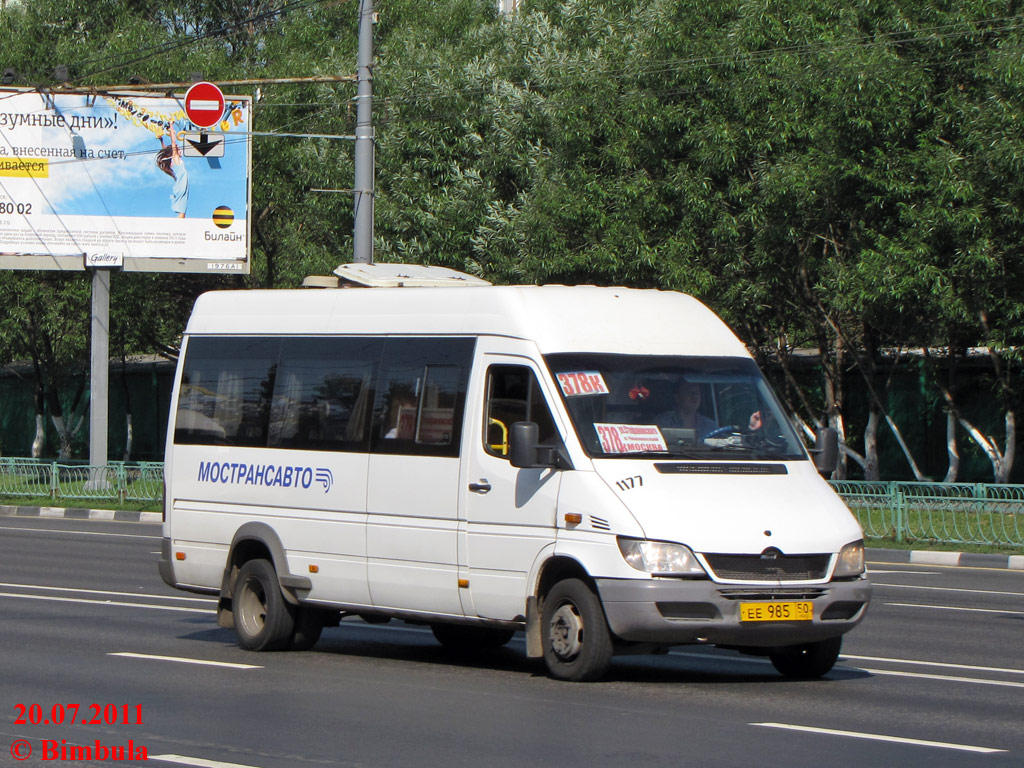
(777,611)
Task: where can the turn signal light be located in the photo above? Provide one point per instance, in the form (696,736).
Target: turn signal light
(179,555)
(573,518)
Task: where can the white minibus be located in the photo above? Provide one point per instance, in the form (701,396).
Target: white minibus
(604,469)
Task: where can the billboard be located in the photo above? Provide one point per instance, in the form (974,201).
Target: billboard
(123,179)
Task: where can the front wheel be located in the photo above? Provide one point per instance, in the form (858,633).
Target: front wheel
(263,620)
(807,661)
(577,643)
(309,623)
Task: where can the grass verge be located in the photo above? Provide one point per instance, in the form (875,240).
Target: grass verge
(46,501)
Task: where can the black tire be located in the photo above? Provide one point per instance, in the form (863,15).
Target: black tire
(264,621)
(309,623)
(577,643)
(466,639)
(808,661)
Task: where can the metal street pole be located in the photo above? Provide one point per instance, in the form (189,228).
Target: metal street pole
(98,372)
(363,231)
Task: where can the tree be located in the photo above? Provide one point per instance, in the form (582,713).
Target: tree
(834,176)
(45,322)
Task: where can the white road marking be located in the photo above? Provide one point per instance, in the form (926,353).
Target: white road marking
(184,660)
(956,608)
(879,737)
(77,533)
(207,601)
(107,602)
(886,672)
(951,589)
(872,571)
(943,664)
(944,678)
(197,761)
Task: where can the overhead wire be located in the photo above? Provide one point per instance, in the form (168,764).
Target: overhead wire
(220,32)
(648,69)
(651,68)
(570,76)
(129,58)
(668,66)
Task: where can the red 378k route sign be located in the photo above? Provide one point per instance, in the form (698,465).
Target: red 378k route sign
(204,104)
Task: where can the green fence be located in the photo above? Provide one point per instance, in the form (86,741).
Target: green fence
(121,481)
(949,513)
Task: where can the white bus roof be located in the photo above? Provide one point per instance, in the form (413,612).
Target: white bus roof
(558,318)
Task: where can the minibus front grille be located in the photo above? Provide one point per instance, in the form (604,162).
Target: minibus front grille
(718,468)
(777,568)
(772,594)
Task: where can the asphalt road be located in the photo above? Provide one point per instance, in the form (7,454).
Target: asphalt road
(933,677)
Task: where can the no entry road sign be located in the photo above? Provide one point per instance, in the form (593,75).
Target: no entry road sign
(204,104)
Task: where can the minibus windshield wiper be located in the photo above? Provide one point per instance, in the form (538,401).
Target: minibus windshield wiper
(684,453)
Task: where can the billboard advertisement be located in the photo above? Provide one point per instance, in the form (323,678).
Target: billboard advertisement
(125,180)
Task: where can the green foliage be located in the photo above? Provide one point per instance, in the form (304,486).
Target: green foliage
(839,175)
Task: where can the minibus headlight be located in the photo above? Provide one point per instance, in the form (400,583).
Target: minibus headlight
(660,557)
(851,560)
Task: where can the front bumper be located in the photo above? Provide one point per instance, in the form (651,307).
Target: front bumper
(679,611)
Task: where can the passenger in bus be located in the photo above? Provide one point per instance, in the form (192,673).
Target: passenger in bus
(401,418)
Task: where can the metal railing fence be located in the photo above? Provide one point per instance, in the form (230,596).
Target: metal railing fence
(118,480)
(948,513)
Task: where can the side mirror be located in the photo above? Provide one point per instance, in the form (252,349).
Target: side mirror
(522,444)
(524,453)
(826,451)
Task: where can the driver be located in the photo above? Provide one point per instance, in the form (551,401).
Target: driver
(686,414)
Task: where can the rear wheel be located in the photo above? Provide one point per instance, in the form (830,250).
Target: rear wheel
(264,621)
(809,660)
(577,643)
(460,637)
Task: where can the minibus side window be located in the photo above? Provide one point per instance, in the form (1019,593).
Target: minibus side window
(225,391)
(513,395)
(322,394)
(421,396)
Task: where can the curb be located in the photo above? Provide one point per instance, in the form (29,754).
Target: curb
(75,513)
(961,559)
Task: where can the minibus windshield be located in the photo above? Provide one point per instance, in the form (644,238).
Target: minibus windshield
(702,408)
